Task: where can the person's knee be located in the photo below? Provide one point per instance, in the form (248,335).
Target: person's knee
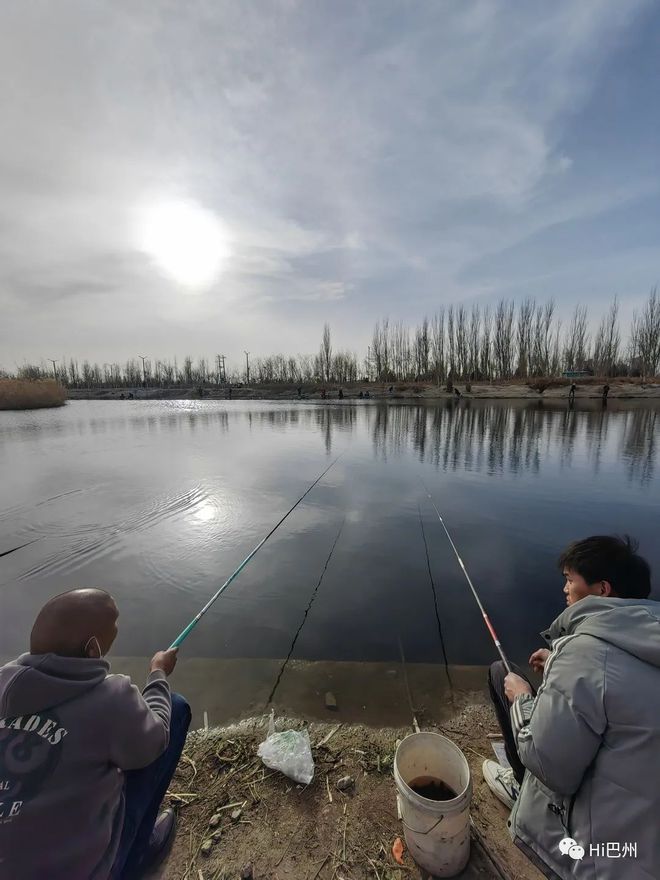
(496,673)
(181,713)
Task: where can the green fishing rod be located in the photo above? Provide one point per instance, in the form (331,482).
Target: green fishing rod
(183,635)
(491,628)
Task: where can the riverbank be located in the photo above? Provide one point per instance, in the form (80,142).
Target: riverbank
(556,389)
(31,394)
(235,812)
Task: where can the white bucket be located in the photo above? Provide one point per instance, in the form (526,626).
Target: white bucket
(437,832)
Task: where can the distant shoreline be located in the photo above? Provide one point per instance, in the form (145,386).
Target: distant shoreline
(408,391)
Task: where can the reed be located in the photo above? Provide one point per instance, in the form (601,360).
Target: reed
(31,393)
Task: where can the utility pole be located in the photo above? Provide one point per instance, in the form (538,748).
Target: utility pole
(144,370)
(220,367)
(53,362)
(247,367)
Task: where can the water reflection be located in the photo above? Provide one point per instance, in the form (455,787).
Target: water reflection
(497,438)
(484,436)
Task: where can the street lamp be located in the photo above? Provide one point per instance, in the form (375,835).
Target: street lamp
(144,370)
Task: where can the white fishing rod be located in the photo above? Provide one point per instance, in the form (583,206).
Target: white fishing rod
(193,623)
(491,628)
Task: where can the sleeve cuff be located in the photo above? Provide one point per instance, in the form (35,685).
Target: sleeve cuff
(521,712)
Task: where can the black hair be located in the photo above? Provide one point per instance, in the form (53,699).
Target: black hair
(613,559)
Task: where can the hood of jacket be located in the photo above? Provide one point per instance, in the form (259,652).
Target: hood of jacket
(35,682)
(633,625)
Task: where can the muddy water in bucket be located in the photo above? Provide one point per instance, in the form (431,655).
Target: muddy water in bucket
(434,788)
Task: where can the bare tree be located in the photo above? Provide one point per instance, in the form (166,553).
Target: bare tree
(485,354)
(503,339)
(461,341)
(542,339)
(577,341)
(647,335)
(451,343)
(422,349)
(325,353)
(438,345)
(607,342)
(524,336)
(474,342)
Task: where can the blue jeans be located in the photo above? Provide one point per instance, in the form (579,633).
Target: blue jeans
(144,791)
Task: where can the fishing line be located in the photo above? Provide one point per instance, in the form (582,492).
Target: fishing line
(435,598)
(490,626)
(193,623)
(307,610)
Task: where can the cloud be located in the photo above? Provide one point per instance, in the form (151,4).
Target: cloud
(369,157)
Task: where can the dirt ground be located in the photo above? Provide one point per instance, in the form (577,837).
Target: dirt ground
(234,812)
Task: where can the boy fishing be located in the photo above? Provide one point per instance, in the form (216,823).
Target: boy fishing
(584,782)
(85,757)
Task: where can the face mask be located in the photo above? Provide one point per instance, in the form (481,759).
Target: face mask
(90,642)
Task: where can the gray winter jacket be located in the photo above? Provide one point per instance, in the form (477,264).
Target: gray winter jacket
(68,730)
(590,741)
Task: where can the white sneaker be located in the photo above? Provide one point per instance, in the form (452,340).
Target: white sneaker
(501,781)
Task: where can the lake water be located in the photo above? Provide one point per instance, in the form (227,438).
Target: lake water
(159,501)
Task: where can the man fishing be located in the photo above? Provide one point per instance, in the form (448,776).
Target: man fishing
(85,758)
(584,782)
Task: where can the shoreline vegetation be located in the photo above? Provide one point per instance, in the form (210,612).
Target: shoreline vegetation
(31,393)
(622,388)
(234,812)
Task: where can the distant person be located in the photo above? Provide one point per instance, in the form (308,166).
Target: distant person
(361,395)
(85,757)
(121,396)
(340,395)
(130,395)
(323,394)
(584,749)
(229,392)
(606,391)
(391,389)
(457,393)
(367,395)
(299,392)
(571,392)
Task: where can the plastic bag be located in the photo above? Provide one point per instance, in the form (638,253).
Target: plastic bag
(290,752)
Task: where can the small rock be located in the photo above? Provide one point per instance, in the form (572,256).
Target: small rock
(236,815)
(206,847)
(330,700)
(214,821)
(345,783)
(247,872)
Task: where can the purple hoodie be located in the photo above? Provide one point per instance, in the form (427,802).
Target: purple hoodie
(68,731)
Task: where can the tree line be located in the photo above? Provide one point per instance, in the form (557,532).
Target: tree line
(481,343)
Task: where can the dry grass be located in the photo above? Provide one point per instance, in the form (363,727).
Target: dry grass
(31,394)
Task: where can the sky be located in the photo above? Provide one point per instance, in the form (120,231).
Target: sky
(212,176)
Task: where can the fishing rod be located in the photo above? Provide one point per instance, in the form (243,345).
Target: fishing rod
(491,628)
(193,623)
(306,613)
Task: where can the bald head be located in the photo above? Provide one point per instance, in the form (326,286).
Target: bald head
(80,623)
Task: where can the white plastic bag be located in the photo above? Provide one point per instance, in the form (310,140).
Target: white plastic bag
(290,752)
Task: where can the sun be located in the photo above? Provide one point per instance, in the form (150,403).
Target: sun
(186,242)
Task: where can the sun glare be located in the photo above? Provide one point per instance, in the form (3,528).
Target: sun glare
(185,241)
